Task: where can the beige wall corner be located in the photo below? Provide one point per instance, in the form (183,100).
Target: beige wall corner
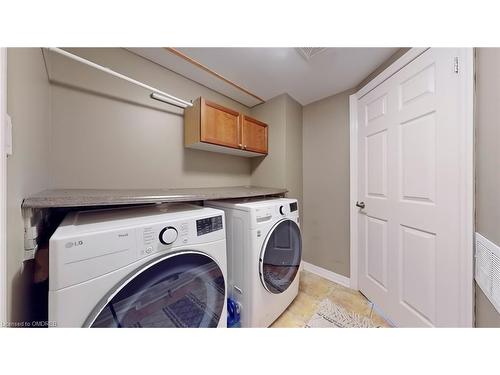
(282,167)
(326,183)
(28,104)
(486,314)
(293,150)
(487,146)
(269,170)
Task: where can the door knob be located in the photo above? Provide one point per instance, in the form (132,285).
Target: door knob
(360,204)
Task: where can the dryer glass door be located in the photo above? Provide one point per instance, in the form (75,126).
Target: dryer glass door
(181,290)
(280,257)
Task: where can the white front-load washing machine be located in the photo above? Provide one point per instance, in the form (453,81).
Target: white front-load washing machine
(264,252)
(148,266)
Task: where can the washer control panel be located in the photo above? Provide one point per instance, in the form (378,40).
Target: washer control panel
(208,225)
(92,243)
(162,236)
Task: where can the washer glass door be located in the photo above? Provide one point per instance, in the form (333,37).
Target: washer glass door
(181,290)
(280,257)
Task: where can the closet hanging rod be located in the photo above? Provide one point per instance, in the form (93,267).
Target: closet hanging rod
(157,94)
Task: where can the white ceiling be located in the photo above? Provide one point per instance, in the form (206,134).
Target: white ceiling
(268,72)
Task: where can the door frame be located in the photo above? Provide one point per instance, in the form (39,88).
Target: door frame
(3,186)
(466,253)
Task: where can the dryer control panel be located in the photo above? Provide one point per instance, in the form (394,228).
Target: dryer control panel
(274,210)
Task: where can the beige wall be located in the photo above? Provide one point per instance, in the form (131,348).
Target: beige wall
(28,103)
(487,164)
(293,151)
(326,183)
(107,133)
(282,167)
(486,314)
(269,170)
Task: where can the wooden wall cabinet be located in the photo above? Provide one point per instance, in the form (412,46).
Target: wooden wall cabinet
(211,127)
(253,134)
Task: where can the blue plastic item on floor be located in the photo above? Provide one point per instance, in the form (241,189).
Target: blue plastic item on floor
(233,314)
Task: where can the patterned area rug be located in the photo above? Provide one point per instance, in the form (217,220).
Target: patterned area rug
(331,315)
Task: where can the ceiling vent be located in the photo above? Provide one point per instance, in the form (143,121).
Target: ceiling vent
(308,52)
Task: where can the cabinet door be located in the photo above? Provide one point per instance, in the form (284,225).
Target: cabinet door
(253,135)
(219,125)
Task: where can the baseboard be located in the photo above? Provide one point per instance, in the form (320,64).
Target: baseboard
(329,275)
(382,314)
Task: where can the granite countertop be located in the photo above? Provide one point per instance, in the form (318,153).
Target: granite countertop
(94,197)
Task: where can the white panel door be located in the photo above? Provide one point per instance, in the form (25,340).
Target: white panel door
(409,180)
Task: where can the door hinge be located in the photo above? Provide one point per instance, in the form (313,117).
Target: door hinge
(456,65)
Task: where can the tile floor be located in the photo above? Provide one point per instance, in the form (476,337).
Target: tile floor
(312,290)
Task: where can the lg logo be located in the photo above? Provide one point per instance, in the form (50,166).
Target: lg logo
(69,245)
